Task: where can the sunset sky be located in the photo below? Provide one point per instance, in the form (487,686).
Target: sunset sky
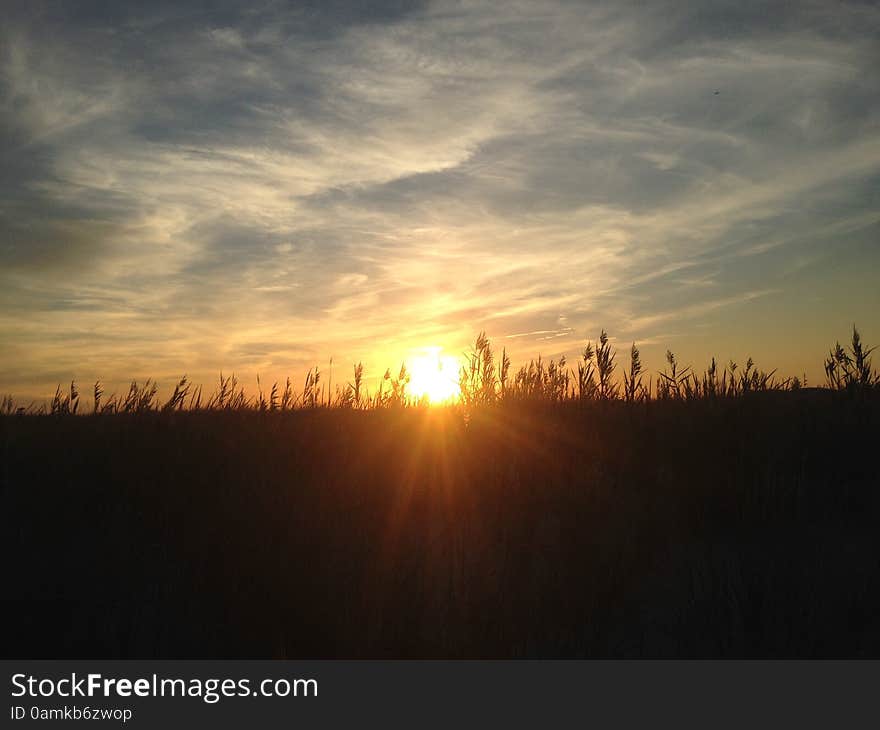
(190,188)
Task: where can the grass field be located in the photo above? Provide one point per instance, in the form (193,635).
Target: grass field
(553,512)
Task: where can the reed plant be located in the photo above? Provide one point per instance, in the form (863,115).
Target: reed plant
(484,379)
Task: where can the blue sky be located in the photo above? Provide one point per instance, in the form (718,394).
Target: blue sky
(187,188)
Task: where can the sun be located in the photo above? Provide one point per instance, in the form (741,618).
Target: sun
(434,376)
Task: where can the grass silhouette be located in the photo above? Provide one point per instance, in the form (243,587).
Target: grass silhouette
(554,512)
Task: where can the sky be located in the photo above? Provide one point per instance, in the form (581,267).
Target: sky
(193,187)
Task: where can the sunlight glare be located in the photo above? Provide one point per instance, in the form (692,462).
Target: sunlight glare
(434,376)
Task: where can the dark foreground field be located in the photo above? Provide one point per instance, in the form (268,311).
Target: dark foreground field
(742,527)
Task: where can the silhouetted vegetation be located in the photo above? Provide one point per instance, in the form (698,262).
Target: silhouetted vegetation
(554,511)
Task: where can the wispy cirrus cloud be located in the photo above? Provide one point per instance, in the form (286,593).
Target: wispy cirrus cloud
(186,190)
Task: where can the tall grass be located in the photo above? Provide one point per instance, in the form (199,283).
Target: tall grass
(851,370)
(556,510)
(483,380)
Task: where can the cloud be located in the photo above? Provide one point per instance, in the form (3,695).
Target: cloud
(186,190)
